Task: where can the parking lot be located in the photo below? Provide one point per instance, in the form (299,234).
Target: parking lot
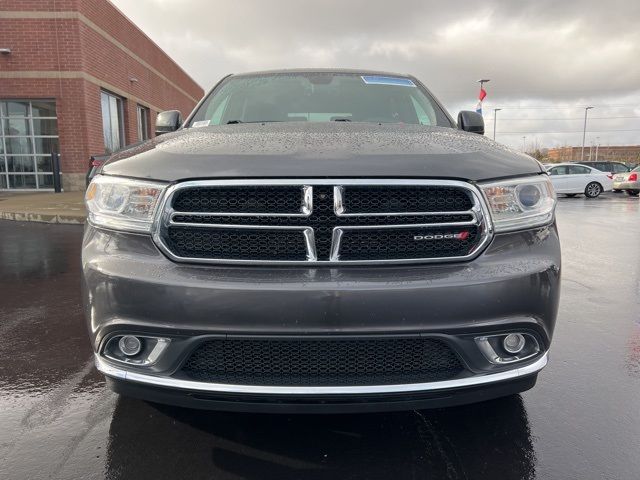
(581,421)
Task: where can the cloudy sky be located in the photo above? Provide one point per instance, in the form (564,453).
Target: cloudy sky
(547,59)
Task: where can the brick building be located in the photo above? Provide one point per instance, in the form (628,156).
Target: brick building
(621,153)
(79,78)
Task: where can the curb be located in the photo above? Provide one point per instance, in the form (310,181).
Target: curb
(70,219)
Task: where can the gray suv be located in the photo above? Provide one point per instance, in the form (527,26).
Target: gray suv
(320,241)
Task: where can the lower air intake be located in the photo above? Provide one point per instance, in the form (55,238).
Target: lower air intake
(332,361)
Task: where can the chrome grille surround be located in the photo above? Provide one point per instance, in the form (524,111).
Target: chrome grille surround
(479,214)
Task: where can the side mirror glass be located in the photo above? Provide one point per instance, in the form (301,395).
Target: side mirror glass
(471,122)
(168,121)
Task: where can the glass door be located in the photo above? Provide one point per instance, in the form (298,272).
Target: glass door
(28,136)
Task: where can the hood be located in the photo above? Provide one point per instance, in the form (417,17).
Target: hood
(320,150)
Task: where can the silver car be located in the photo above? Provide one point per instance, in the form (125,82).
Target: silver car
(629,182)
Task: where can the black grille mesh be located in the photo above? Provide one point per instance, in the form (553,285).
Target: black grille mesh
(326,361)
(398,199)
(237,244)
(359,199)
(240,199)
(399,243)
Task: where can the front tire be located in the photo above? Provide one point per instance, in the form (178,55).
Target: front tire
(633,193)
(593,190)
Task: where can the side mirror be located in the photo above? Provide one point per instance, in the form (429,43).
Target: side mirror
(168,121)
(471,122)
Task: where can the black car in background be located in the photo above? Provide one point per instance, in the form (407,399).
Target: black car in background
(608,167)
(95,162)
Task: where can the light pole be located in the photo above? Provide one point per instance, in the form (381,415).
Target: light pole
(584,132)
(495,115)
(597,145)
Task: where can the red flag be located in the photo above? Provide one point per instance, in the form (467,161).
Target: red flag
(483,93)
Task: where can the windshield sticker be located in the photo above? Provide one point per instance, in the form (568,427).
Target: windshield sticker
(378,80)
(201,123)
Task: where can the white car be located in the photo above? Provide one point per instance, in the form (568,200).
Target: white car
(573,179)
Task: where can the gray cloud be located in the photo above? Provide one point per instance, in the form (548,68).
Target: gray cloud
(564,54)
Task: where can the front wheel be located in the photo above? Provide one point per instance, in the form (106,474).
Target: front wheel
(633,193)
(593,190)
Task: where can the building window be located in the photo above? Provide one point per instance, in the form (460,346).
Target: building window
(28,135)
(112,124)
(143,123)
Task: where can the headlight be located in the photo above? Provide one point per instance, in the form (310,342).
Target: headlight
(121,203)
(520,203)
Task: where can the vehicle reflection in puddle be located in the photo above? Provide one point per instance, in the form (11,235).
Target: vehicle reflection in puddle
(486,440)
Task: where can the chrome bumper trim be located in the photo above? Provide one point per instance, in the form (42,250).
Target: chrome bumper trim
(190,385)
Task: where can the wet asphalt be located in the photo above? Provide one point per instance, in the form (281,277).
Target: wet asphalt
(581,421)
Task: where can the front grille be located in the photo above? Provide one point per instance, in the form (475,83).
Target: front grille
(237,243)
(329,361)
(394,243)
(245,199)
(322,221)
(386,199)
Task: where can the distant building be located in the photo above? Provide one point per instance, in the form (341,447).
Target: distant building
(79,78)
(620,153)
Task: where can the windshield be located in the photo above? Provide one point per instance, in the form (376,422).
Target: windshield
(319,97)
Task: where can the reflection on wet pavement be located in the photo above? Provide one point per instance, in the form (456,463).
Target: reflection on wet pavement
(40,311)
(582,420)
(449,443)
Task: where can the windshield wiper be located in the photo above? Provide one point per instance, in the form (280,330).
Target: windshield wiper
(230,122)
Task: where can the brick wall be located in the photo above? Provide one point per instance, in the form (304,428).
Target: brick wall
(69,50)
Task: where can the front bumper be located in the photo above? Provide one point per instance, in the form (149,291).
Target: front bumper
(130,287)
(320,399)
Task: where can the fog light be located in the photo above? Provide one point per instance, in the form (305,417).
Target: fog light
(140,350)
(513,343)
(130,345)
(504,348)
